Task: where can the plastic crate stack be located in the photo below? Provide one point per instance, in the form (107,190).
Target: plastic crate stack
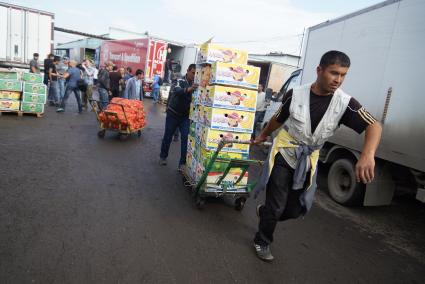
(222,107)
(22,92)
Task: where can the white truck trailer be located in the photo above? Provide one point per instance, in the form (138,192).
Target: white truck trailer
(24,31)
(385,43)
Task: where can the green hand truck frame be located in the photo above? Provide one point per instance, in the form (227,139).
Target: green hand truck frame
(201,189)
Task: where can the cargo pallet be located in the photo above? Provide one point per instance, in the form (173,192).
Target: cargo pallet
(21,113)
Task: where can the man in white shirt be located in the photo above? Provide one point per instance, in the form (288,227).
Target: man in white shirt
(260,109)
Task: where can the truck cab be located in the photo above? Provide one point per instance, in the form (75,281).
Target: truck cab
(293,80)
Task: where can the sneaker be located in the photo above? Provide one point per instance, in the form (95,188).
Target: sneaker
(263,252)
(163,162)
(258,209)
(60,110)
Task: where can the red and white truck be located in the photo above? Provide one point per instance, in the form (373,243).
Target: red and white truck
(148,54)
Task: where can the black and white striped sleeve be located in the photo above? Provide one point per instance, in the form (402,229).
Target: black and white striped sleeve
(357,117)
(283,112)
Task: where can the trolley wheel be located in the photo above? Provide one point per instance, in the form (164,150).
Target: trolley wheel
(123,136)
(240,203)
(139,133)
(101,133)
(199,202)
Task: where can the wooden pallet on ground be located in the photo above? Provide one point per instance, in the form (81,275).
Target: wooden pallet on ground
(21,113)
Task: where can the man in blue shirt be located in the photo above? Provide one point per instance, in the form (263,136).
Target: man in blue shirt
(128,74)
(73,74)
(156,87)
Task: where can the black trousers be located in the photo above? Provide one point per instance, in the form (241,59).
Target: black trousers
(282,202)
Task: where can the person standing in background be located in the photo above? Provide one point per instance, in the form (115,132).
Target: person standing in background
(260,109)
(128,74)
(155,87)
(47,62)
(62,67)
(88,76)
(34,67)
(122,82)
(53,97)
(115,77)
(104,84)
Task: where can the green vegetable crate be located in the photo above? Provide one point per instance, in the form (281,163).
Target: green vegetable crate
(10,85)
(8,75)
(32,107)
(35,88)
(34,98)
(32,78)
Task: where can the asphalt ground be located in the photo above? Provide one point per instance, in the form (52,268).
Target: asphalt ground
(78,209)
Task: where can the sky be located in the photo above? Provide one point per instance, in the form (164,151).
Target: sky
(259,26)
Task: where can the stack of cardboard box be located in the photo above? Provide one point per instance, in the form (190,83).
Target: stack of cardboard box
(35,93)
(22,92)
(10,91)
(222,107)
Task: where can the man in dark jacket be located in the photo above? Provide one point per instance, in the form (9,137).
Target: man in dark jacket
(115,77)
(47,63)
(104,85)
(178,115)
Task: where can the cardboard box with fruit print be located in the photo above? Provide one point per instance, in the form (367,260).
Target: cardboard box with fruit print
(209,139)
(32,78)
(202,75)
(227,119)
(210,53)
(9,75)
(238,75)
(32,107)
(12,105)
(10,95)
(34,98)
(10,85)
(190,159)
(229,97)
(35,88)
(195,112)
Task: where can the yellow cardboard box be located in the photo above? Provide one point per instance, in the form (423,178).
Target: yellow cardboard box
(10,105)
(195,112)
(10,95)
(202,75)
(210,53)
(227,119)
(210,138)
(238,75)
(229,97)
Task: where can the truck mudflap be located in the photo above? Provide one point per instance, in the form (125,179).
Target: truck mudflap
(381,190)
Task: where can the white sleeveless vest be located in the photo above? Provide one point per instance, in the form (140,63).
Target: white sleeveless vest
(299,123)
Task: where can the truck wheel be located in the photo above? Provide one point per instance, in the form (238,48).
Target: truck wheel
(342,184)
